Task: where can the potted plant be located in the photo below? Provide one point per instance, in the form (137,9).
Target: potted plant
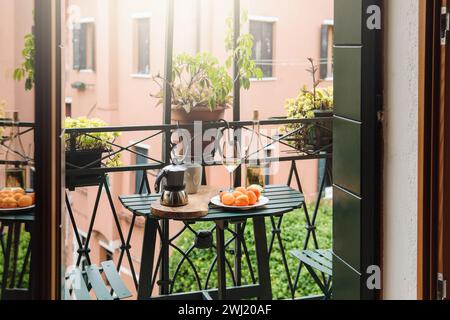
(26,69)
(309,104)
(201,87)
(87,151)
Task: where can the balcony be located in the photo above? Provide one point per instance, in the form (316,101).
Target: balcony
(190,266)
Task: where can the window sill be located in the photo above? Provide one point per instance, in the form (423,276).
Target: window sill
(141,76)
(86,71)
(264,79)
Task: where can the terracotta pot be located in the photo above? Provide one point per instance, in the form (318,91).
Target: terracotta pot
(179,115)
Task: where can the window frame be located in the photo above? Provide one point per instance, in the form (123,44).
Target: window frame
(85,69)
(135,183)
(329,24)
(135,73)
(270,20)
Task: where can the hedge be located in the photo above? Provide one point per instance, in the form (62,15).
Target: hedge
(293,235)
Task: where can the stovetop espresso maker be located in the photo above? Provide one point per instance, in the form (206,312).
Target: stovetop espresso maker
(170,182)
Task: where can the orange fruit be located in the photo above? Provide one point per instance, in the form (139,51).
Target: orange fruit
(221,194)
(25,201)
(242,201)
(253,199)
(237,194)
(241,190)
(33,196)
(256,190)
(18,190)
(10,203)
(228,199)
(17,196)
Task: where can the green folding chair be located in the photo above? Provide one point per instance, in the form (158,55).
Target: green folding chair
(80,284)
(319,264)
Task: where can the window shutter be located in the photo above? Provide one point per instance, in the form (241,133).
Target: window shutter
(76,46)
(324,52)
(262,51)
(141,158)
(357,97)
(82,46)
(144,46)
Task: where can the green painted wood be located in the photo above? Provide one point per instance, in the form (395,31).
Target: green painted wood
(347,155)
(346,282)
(327,254)
(347,227)
(308,258)
(316,256)
(96,281)
(358,98)
(347,82)
(78,286)
(347,22)
(283,199)
(114,280)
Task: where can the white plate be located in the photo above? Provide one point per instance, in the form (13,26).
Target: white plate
(15,210)
(261,203)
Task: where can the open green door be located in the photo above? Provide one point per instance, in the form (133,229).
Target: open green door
(358,100)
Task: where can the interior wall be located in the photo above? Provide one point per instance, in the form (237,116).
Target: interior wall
(401,149)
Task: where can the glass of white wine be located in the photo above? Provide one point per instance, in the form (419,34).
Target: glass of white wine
(231,154)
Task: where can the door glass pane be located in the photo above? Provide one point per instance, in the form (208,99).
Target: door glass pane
(16,137)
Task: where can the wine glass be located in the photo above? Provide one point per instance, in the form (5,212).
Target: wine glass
(231,154)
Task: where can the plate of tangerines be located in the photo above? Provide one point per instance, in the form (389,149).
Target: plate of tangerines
(16,200)
(241,198)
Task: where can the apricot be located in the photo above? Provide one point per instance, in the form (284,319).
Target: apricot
(242,201)
(241,190)
(25,201)
(228,199)
(253,199)
(10,203)
(237,194)
(33,196)
(18,190)
(256,190)
(17,196)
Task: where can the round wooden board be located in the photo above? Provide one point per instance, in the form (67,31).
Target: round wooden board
(198,206)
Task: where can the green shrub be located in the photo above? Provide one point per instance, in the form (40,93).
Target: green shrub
(293,235)
(23,246)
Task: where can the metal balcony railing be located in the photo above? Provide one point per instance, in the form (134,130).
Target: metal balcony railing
(291,151)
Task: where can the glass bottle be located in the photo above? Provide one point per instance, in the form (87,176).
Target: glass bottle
(16,173)
(255,156)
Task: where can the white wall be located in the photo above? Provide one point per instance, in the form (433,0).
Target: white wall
(401,149)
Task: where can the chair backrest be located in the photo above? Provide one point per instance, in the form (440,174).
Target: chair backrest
(94,286)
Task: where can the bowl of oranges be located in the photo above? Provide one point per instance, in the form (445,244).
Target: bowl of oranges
(16,199)
(241,198)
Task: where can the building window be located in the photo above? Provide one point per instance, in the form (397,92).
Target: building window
(84,46)
(68,107)
(262,32)
(106,255)
(326,51)
(142,45)
(141,158)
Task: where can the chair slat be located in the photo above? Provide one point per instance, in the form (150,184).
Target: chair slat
(300,255)
(327,254)
(114,280)
(78,285)
(316,256)
(96,281)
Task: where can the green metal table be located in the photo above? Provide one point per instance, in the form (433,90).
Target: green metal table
(283,199)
